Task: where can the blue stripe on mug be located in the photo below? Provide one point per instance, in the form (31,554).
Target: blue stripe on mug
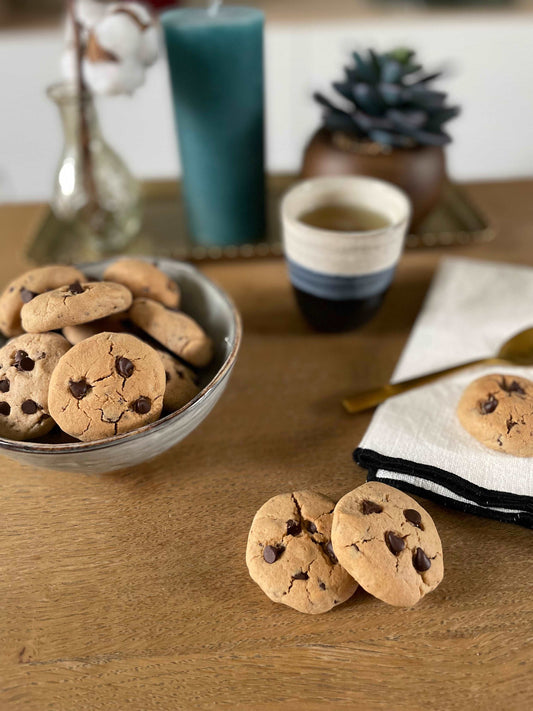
(339,288)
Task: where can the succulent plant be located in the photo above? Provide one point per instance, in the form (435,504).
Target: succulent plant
(388,99)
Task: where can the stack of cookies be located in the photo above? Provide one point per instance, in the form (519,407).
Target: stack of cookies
(97,358)
(310,554)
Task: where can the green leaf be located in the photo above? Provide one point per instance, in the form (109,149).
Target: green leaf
(368,99)
(366,70)
(408,118)
(424,98)
(391,72)
(344,89)
(391,94)
(402,54)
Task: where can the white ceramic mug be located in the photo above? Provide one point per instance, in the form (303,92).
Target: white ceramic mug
(340,278)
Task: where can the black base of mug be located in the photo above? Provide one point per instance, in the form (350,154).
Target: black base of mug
(330,316)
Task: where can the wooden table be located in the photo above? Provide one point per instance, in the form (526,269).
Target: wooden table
(130,590)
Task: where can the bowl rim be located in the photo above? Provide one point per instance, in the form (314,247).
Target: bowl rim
(190,407)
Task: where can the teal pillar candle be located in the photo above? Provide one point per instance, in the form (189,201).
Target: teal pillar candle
(216,71)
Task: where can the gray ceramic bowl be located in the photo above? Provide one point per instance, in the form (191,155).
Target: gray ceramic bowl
(215,312)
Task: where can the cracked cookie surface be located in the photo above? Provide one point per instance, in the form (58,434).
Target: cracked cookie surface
(105,385)
(26,287)
(79,302)
(290,556)
(181,384)
(174,329)
(498,411)
(388,543)
(26,366)
(144,279)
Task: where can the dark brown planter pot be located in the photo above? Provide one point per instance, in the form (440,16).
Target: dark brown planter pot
(419,171)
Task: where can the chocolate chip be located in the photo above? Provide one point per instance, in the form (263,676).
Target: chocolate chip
(23,361)
(510,423)
(79,388)
(370,507)
(300,576)
(321,585)
(293,527)
(76,288)
(272,553)
(514,387)
(4,386)
(29,407)
(489,405)
(413,517)
(420,561)
(124,367)
(394,542)
(310,526)
(328,548)
(26,295)
(142,405)
(4,408)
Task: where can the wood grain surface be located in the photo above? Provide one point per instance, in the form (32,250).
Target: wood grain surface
(130,590)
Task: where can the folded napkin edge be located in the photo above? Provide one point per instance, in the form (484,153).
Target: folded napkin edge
(521,518)
(373,461)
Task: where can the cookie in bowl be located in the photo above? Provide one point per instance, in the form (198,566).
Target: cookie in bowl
(106,385)
(177,331)
(115,410)
(26,287)
(143,278)
(26,366)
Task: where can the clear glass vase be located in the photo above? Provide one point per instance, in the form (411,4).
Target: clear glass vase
(94,193)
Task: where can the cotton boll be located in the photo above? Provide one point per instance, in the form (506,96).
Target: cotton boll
(89,12)
(149,43)
(141,12)
(120,34)
(113,78)
(149,49)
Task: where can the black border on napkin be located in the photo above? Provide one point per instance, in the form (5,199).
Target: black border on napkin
(484,498)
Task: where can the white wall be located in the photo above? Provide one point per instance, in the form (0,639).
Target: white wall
(490,76)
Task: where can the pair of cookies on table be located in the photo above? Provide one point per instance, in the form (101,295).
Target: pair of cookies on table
(310,554)
(109,381)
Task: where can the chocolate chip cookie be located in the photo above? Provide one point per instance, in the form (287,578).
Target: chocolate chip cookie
(388,543)
(116,323)
(176,331)
(26,287)
(105,385)
(26,366)
(498,411)
(144,279)
(79,302)
(290,555)
(181,383)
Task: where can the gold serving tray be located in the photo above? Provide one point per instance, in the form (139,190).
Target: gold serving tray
(454,221)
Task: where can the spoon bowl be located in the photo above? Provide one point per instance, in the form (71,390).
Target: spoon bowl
(518,349)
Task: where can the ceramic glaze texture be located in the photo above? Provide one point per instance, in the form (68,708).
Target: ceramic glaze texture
(217,315)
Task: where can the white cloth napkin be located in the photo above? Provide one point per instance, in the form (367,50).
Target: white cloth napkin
(415,441)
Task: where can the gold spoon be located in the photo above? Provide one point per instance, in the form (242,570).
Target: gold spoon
(518,350)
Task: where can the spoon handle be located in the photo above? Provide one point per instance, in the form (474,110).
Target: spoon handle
(371,398)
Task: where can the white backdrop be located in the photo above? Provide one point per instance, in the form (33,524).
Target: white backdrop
(490,77)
